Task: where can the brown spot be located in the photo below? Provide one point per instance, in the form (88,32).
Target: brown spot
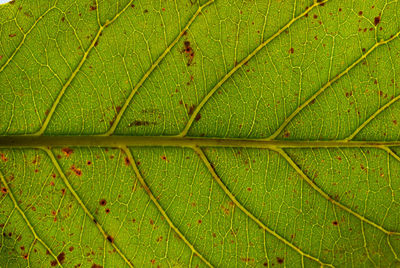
(249,189)
(103,202)
(340,9)
(61,257)
(335,223)
(291,50)
(286,134)
(159,239)
(12,35)
(189,52)
(76,170)
(91,8)
(3,158)
(198,116)
(145,11)
(377,20)
(360,13)
(96,265)
(199,221)
(279,260)
(141,123)
(151,222)
(67,151)
(53,175)
(153,261)
(53,263)
(265,264)
(395,122)
(110,239)
(107,210)
(89,162)
(315,16)
(4,190)
(163,157)
(191,109)
(22,248)
(71,249)
(63,19)
(127,162)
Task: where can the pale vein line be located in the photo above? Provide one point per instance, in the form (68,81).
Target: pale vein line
(244,61)
(390,151)
(151,69)
(327,197)
(77,69)
(159,207)
(24,37)
(328,84)
(4,182)
(80,202)
(210,168)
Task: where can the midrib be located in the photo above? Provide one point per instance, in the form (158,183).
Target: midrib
(172,141)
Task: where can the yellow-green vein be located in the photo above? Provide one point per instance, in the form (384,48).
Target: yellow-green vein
(328,84)
(327,197)
(77,69)
(159,207)
(151,69)
(210,168)
(24,37)
(240,64)
(78,199)
(9,192)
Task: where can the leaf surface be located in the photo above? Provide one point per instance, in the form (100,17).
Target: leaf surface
(199,133)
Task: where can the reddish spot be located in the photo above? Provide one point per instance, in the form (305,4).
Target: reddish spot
(153,261)
(360,13)
(163,157)
(315,16)
(89,162)
(377,20)
(279,260)
(4,190)
(63,191)
(265,264)
(71,249)
(3,158)
(96,266)
(159,239)
(91,8)
(25,256)
(340,9)
(67,151)
(335,223)
(291,50)
(199,221)
(107,210)
(151,222)
(12,35)
(138,163)
(103,202)
(198,116)
(395,122)
(110,239)
(53,175)
(63,19)
(189,52)
(76,170)
(249,189)
(127,162)
(36,170)
(22,248)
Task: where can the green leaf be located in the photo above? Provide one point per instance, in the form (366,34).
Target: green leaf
(199,133)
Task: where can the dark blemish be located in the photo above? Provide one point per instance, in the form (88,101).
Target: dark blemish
(138,163)
(36,170)
(151,222)
(377,20)
(103,202)
(91,8)
(12,35)
(249,189)
(159,239)
(335,223)
(189,52)
(141,123)
(360,13)
(145,11)
(181,102)
(198,116)
(395,122)
(315,16)
(279,260)
(291,50)
(96,265)
(107,210)
(380,93)
(25,256)
(286,134)
(153,261)
(127,162)
(71,249)
(199,221)
(191,109)
(76,170)
(96,43)
(376,82)
(95,221)
(63,19)
(33,208)
(89,162)
(340,9)
(63,191)
(4,190)
(61,257)
(67,151)
(110,239)
(163,157)
(22,247)
(265,264)
(53,263)
(53,175)
(118,109)
(132,6)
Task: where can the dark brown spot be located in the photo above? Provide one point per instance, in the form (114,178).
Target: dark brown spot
(279,260)
(96,265)
(145,11)
(63,19)
(340,9)
(163,157)
(360,13)
(89,162)
(12,35)
(91,8)
(76,170)
(107,210)
(4,190)
(53,263)
(127,162)
(67,151)
(61,257)
(3,158)
(335,223)
(291,50)
(110,239)
(377,20)
(315,16)
(395,122)
(103,202)
(191,109)
(198,117)
(71,249)
(286,134)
